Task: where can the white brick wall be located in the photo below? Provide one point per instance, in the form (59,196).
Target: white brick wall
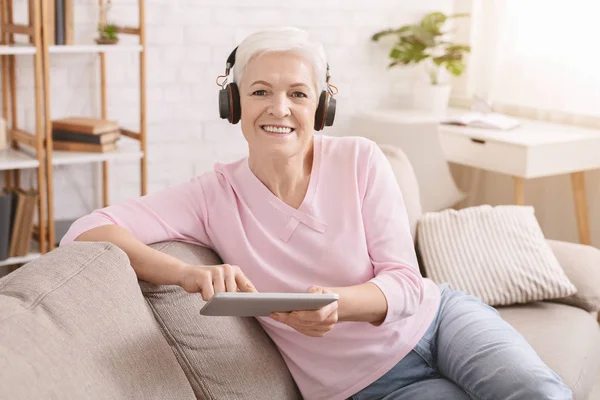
(188,43)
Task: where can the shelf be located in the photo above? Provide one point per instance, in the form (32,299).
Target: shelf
(16,159)
(95,48)
(17,49)
(128,149)
(20,260)
(34,253)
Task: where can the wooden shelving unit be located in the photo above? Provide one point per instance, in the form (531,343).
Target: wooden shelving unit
(34,150)
(14,49)
(95,48)
(13,159)
(126,152)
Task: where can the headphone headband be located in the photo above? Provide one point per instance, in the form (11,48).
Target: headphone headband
(230,61)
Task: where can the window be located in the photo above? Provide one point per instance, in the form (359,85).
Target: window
(536,54)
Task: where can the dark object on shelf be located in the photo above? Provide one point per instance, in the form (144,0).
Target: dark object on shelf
(61,227)
(69,136)
(17,211)
(59,18)
(23,210)
(5,222)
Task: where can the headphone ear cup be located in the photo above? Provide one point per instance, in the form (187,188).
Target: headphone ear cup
(234,98)
(224,108)
(325,111)
(330,113)
(321,110)
(229,103)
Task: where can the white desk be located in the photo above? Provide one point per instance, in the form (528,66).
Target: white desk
(533,150)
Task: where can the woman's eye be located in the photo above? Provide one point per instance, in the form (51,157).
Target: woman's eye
(298,94)
(259,92)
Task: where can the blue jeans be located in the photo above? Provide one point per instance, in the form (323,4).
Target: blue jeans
(468,352)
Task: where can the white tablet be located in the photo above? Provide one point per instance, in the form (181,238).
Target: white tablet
(243,304)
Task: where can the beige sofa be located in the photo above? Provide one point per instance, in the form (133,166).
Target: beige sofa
(76,323)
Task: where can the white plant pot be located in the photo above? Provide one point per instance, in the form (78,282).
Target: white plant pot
(432,98)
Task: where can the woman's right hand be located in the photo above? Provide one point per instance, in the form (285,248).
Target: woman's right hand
(211,279)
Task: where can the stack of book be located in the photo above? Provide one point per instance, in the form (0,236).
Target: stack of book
(17,210)
(85,134)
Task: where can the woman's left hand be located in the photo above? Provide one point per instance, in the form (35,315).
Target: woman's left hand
(314,323)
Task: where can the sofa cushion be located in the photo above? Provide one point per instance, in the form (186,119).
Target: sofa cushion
(498,254)
(74,325)
(581,264)
(223,357)
(407,180)
(566,338)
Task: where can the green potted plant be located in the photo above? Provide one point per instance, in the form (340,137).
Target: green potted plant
(427,43)
(107,34)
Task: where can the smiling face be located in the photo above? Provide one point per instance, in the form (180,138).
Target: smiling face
(278,98)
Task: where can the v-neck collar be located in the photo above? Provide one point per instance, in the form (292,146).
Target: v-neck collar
(302,213)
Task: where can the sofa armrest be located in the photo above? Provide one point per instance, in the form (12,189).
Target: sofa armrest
(74,324)
(581,264)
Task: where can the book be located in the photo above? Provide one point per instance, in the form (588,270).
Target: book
(59,25)
(31,20)
(3,135)
(17,212)
(86,147)
(24,241)
(85,125)
(69,136)
(489,120)
(5,220)
(51,21)
(24,202)
(69,22)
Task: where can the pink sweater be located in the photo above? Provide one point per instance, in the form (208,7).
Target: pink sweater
(351,228)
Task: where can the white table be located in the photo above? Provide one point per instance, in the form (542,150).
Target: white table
(533,150)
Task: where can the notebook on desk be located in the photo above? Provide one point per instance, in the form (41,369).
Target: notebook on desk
(482,120)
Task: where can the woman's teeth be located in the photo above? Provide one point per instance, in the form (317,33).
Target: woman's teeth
(276,129)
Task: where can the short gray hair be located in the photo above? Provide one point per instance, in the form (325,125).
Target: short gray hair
(282,39)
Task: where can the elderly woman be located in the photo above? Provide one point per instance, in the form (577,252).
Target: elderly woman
(306,212)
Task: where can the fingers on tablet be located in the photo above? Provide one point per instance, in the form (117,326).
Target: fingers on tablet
(244,283)
(207,290)
(313,289)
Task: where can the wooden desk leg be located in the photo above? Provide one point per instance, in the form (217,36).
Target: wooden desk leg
(580,200)
(519,191)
